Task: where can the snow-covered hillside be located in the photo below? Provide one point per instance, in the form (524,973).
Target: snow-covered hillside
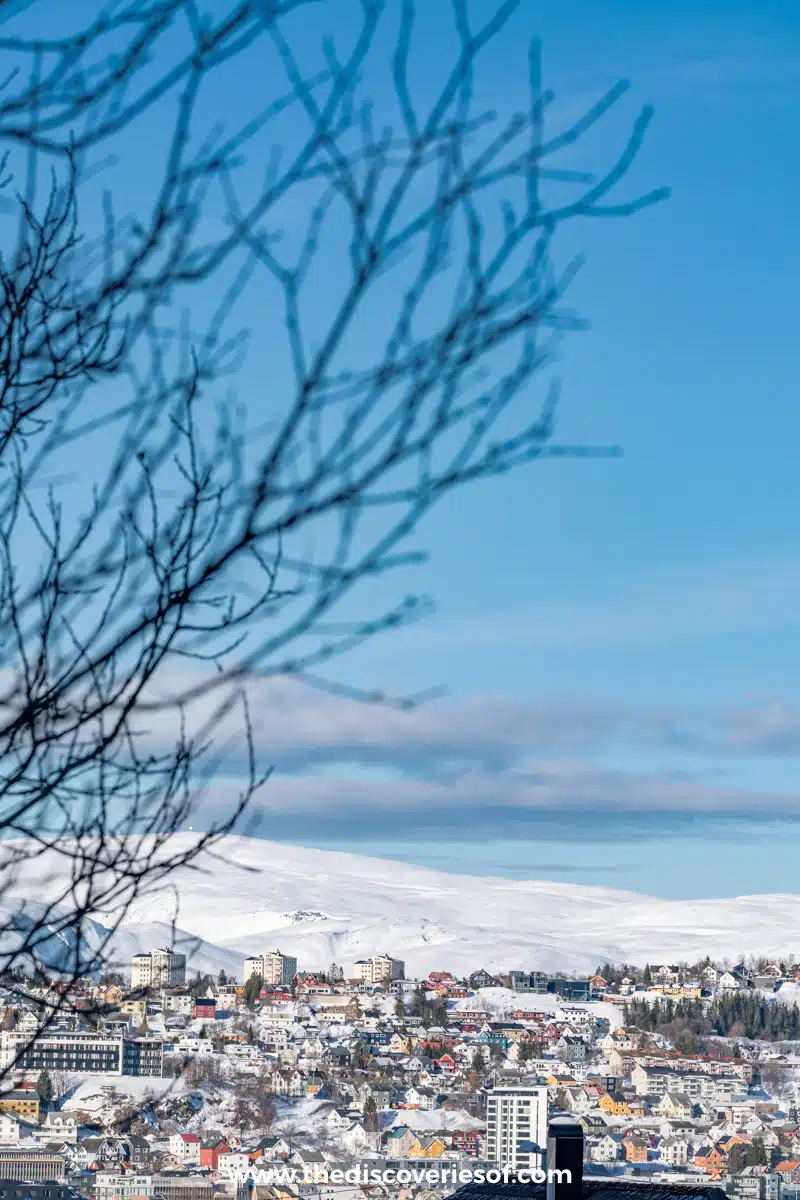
(325,906)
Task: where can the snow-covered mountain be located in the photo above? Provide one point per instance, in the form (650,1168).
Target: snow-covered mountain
(324,906)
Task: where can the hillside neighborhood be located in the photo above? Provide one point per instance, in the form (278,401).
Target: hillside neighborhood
(151,1085)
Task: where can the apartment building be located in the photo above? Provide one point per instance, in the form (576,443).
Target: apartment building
(161,968)
(143,1056)
(381,968)
(81,1052)
(32,1166)
(516,1126)
(21,1103)
(272,968)
(112,1185)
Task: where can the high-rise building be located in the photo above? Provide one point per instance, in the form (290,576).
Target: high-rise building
(159,968)
(516,1127)
(378,969)
(272,968)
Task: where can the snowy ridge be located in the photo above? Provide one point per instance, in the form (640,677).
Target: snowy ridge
(325,906)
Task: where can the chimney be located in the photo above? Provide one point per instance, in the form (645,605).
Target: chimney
(564,1153)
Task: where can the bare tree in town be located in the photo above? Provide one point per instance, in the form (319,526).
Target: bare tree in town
(231,386)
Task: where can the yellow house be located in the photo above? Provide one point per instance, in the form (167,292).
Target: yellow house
(426,1147)
(22,1104)
(611,1107)
(133,1007)
(111,993)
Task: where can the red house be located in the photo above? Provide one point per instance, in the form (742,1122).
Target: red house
(205,1007)
(210,1152)
(466,1140)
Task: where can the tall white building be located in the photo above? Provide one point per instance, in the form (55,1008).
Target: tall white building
(160,968)
(516,1120)
(378,969)
(272,968)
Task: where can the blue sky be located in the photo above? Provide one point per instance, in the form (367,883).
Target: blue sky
(670,577)
(634,621)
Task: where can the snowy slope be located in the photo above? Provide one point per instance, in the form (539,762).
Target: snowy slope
(327,906)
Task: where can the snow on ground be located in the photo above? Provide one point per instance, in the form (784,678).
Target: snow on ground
(441,1118)
(100,1096)
(325,905)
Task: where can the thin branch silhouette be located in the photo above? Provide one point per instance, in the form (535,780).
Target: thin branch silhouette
(175,520)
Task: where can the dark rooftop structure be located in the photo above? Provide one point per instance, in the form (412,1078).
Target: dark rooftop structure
(592,1189)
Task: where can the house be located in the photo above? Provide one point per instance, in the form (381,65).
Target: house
(467,1141)
(613,1106)
(481,979)
(635,1149)
(235,1162)
(712,1159)
(733,981)
(674,1150)
(674,1104)
(307,1158)
(57,1127)
(185,1147)
(789,1172)
(426,1146)
(598,986)
(210,1151)
(340,1118)
(9,1129)
(665,975)
(141,1152)
(205,1007)
(605,1149)
(108,1151)
(420,1097)
(398,1141)
(571,1049)
(274,1147)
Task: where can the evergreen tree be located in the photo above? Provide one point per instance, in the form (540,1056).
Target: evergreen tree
(419,1003)
(371,1121)
(737,1158)
(44,1088)
(222,978)
(527,1051)
(757,1153)
(438,1012)
(251,991)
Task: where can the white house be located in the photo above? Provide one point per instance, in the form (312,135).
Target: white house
(233,1163)
(674,1151)
(185,1147)
(57,1127)
(605,1149)
(9,1129)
